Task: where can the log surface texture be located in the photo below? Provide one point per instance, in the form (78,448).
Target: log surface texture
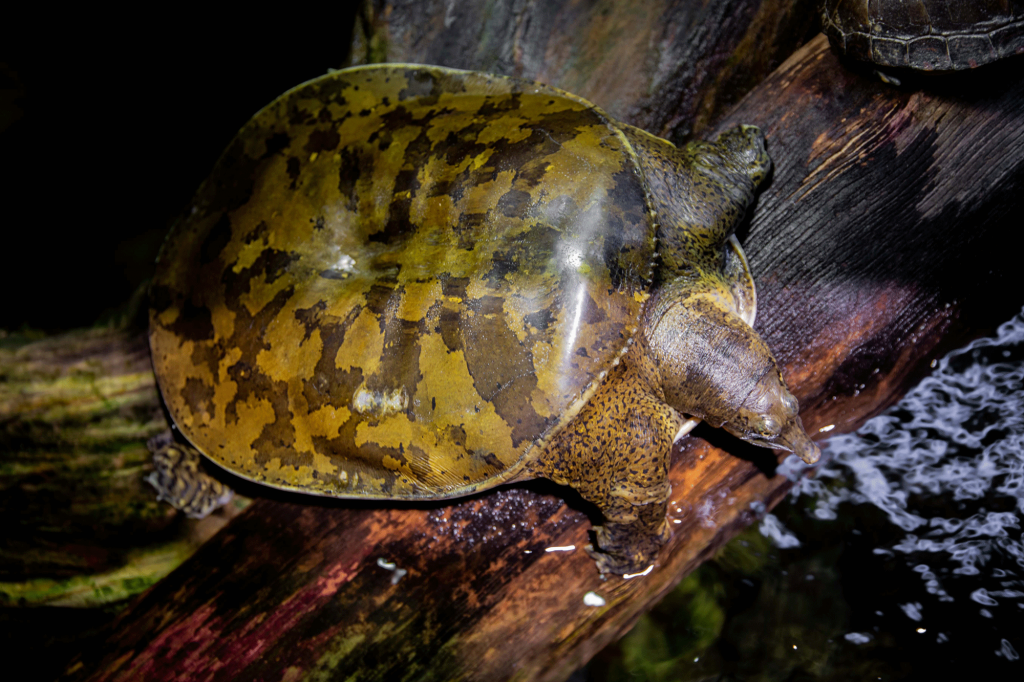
(81,527)
(875,247)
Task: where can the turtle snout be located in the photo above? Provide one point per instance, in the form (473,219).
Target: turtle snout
(795,439)
(789,434)
(770,418)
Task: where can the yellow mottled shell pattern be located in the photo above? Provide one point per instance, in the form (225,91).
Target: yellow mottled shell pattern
(400,281)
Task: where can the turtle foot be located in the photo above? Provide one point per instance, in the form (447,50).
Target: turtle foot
(179,478)
(623,549)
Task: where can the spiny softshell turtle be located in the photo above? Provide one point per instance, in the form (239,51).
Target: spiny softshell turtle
(410,282)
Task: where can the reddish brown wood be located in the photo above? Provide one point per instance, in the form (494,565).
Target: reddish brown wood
(886,207)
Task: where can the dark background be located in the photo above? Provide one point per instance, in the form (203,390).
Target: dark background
(107,126)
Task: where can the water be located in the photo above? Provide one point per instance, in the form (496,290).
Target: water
(900,557)
(946,466)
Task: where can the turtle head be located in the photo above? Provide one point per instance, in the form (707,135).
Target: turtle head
(724,172)
(714,366)
(769,417)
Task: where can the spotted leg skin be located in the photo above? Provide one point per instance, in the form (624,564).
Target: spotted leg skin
(633,531)
(180,480)
(616,454)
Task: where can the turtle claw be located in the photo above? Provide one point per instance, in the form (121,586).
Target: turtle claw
(617,563)
(608,563)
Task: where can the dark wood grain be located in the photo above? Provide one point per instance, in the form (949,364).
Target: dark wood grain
(887,220)
(877,243)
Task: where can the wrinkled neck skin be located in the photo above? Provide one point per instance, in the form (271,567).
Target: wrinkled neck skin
(700,193)
(710,363)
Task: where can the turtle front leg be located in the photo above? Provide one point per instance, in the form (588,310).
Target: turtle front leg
(180,480)
(634,529)
(616,454)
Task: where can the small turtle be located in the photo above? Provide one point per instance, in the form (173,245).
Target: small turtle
(407,282)
(927,35)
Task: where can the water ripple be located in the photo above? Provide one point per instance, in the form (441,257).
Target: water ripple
(946,465)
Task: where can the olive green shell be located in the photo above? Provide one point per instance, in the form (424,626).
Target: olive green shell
(929,35)
(400,280)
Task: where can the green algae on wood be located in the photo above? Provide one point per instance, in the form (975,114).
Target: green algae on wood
(81,525)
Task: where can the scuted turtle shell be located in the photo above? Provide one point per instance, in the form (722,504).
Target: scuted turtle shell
(929,35)
(400,281)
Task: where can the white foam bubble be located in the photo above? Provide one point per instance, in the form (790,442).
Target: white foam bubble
(773,529)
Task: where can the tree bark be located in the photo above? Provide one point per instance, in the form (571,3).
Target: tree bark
(876,246)
(75,411)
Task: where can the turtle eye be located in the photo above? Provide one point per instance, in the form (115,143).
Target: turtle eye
(768,426)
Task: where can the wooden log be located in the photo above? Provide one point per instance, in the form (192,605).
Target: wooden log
(81,527)
(75,412)
(669,67)
(876,244)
